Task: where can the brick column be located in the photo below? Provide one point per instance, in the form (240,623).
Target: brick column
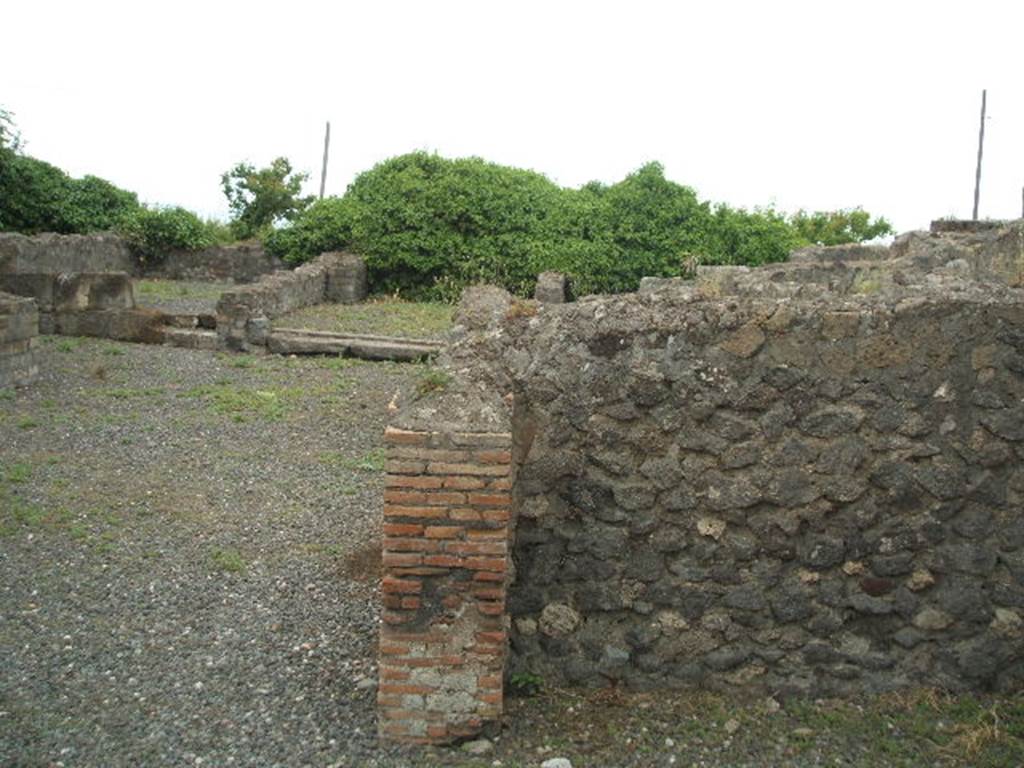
(447,529)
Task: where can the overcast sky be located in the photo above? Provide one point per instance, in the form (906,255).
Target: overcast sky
(813,105)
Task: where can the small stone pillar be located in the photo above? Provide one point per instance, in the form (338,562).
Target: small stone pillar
(346,278)
(19,329)
(447,529)
(552,288)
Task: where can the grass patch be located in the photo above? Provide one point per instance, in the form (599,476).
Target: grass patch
(241,404)
(18,473)
(6,395)
(27,422)
(242,361)
(433,380)
(229,560)
(68,345)
(112,350)
(381,316)
(372,461)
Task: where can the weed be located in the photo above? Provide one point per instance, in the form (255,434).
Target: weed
(6,395)
(19,473)
(433,380)
(68,345)
(242,361)
(525,684)
(229,560)
(112,350)
(27,422)
(240,404)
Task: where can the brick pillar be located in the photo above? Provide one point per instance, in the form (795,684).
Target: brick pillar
(447,529)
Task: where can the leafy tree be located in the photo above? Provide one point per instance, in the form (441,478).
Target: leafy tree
(259,198)
(838,227)
(10,137)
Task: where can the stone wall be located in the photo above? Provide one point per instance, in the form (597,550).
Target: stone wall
(244,314)
(804,479)
(241,263)
(19,327)
(52,254)
(55,254)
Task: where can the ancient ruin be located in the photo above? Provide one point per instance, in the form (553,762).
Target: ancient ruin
(799,479)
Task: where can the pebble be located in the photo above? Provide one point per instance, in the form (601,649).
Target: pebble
(478,747)
(556,762)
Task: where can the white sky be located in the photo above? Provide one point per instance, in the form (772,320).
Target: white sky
(818,105)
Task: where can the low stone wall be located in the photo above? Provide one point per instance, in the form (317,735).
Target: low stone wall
(244,314)
(61,296)
(241,263)
(52,254)
(19,327)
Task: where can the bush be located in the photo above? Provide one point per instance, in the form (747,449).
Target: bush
(38,197)
(152,232)
(427,226)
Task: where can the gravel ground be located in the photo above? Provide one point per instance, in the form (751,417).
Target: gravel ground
(188,573)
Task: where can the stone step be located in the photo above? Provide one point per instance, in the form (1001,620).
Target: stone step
(293,341)
(190,338)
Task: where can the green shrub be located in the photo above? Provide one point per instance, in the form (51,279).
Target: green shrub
(96,205)
(427,226)
(152,232)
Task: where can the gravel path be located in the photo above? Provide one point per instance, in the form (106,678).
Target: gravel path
(179,297)
(187,567)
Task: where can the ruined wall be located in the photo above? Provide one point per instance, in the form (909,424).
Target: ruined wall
(19,327)
(51,254)
(241,263)
(815,496)
(244,314)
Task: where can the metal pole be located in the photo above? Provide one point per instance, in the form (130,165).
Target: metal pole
(327,145)
(981,144)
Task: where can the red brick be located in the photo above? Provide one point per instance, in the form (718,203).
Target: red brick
(488,533)
(464,514)
(395,436)
(497,564)
(442,561)
(402,529)
(491,638)
(489,698)
(391,601)
(464,483)
(488,576)
(489,682)
(395,675)
(439,732)
(477,547)
(443,531)
(415,512)
(490,499)
(500,484)
(482,439)
(418,571)
(412,481)
(396,467)
(491,609)
(451,602)
(390,617)
(442,468)
(411,545)
(489,593)
(493,457)
(496,515)
(410,603)
(401,559)
(394,649)
(402,586)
